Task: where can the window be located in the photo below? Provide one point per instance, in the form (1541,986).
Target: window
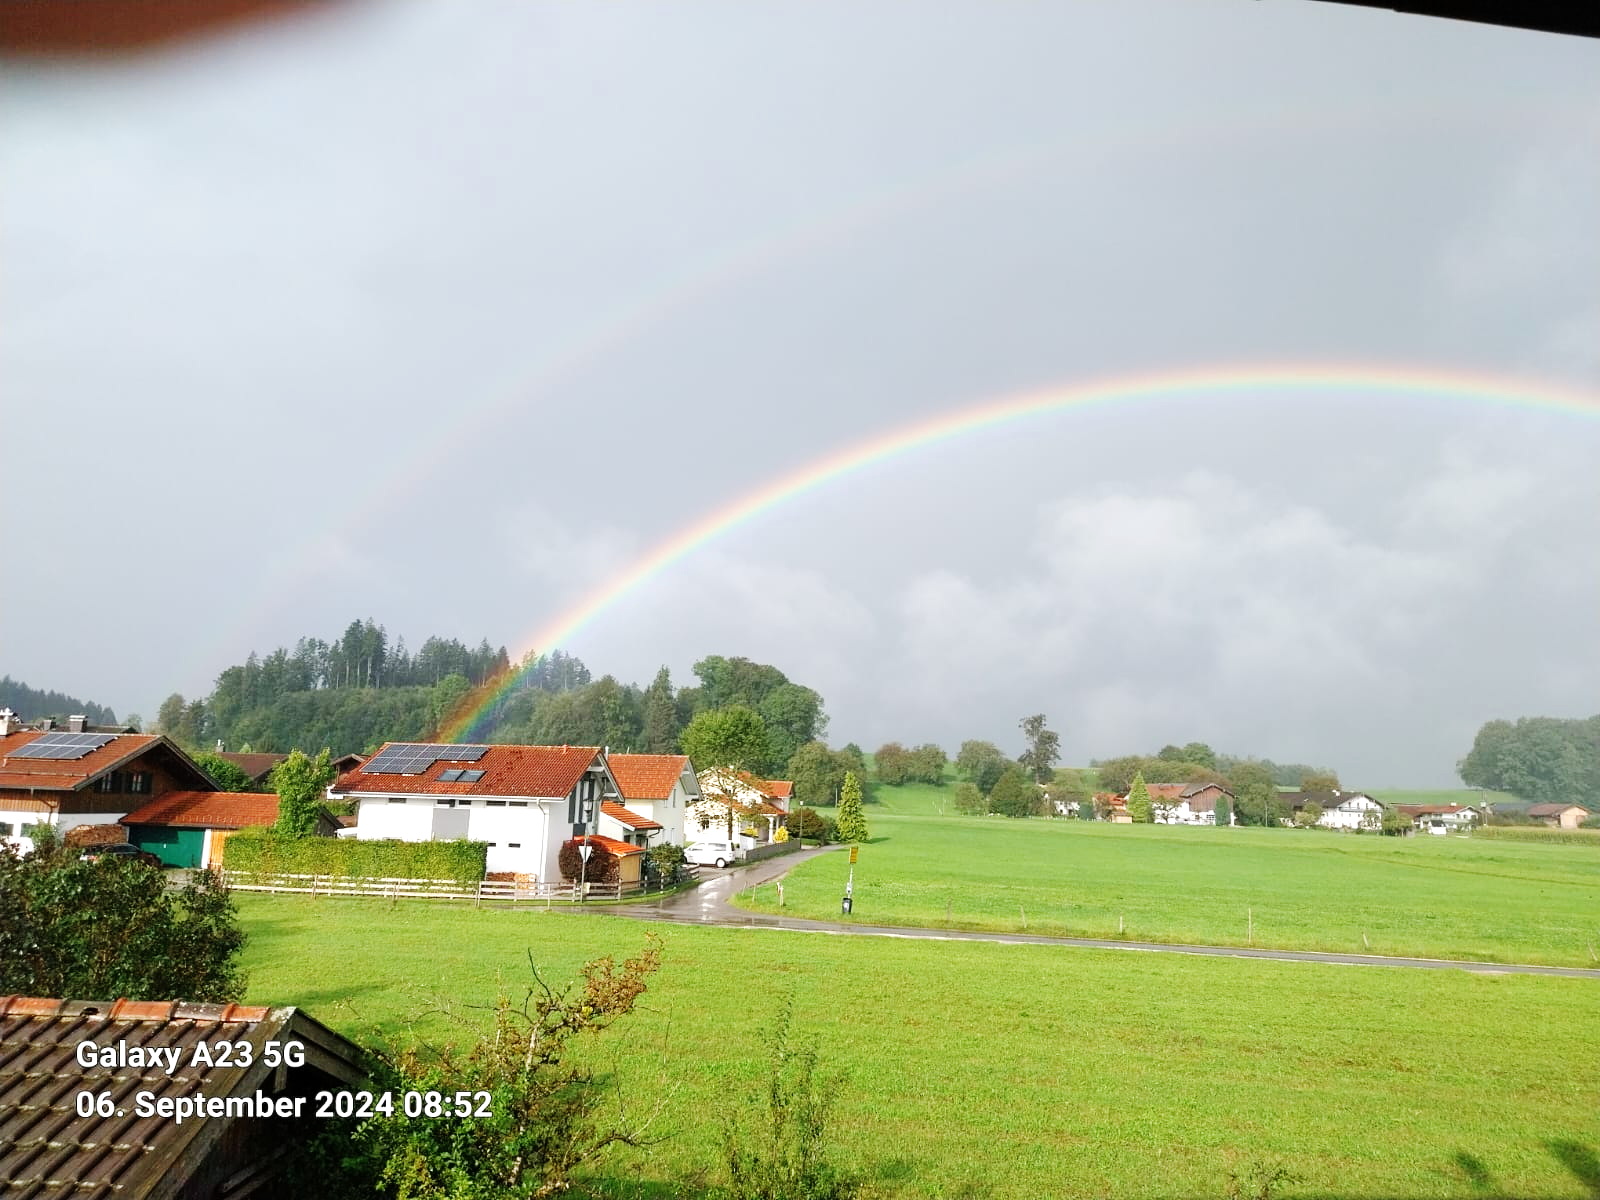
(445,802)
(139,782)
(112,781)
(470,776)
(513,845)
(495,803)
(519,804)
(450,776)
(5,828)
(397,799)
(463,803)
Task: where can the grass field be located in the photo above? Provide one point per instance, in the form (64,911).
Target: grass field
(987,1072)
(1440,897)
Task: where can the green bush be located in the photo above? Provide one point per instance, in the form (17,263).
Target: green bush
(807,822)
(663,865)
(270,852)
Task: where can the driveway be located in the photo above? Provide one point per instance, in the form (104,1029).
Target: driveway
(709,904)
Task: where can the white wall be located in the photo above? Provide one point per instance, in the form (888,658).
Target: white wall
(411,821)
(515,832)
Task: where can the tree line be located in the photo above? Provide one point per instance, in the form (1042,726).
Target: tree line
(33,703)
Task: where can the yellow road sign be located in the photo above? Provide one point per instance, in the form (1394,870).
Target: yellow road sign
(853,850)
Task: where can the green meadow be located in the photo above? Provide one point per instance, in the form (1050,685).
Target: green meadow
(986,1071)
(1437,897)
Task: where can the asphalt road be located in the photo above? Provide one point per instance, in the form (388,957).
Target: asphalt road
(709,904)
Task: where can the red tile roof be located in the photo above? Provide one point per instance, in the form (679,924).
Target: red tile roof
(627,816)
(611,844)
(208,810)
(647,776)
(1427,810)
(257,766)
(540,772)
(50,1149)
(780,789)
(71,774)
(1550,810)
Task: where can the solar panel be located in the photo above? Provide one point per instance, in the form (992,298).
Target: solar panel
(65,746)
(413,758)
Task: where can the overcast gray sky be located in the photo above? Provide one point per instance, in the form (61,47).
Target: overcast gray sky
(444,314)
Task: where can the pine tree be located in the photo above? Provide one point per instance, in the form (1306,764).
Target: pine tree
(852,822)
(1139,799)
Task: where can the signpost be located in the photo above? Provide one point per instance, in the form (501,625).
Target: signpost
(584,850)
(848,902)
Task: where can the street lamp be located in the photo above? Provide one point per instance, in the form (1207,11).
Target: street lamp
(584,850)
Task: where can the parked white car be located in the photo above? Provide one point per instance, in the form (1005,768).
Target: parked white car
(712,854)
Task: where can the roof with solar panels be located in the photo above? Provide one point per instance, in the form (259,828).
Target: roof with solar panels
(443,769)
(69,761)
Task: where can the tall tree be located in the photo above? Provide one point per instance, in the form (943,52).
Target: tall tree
(725,737)
(1044,748)
(1256,799)
(170,715)
(852,820)
(1015,794)
(661,728)
(818,774)
(1140,807)
(301,783)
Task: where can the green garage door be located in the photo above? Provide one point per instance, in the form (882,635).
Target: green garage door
(175,847)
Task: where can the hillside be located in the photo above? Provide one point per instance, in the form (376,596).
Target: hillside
(32,703)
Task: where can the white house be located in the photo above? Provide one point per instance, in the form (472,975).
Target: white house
(758,806)
(1441,818)
(1340,810)
(660,788)
(524,801)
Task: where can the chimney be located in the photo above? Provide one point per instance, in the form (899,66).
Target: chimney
(8,722)
(77,723)
(45,724)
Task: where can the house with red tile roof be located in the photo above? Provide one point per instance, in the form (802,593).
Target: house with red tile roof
(67,778)
(259,766)
(523,801)
(660,788)
(753,806)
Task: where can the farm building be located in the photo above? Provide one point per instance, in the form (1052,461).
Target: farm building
(1340,810)
(1559,816)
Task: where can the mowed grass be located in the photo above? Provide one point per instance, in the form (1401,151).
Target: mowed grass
(988,1071)
(1436,897)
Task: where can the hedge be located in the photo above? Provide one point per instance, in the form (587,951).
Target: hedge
(270,852)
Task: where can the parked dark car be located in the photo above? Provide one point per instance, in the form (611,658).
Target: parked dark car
(120,850)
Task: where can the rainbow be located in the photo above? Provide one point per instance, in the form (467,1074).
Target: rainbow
(1401,382)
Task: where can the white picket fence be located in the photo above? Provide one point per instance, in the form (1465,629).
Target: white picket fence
(433,889)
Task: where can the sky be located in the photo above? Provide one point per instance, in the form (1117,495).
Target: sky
(446,315)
